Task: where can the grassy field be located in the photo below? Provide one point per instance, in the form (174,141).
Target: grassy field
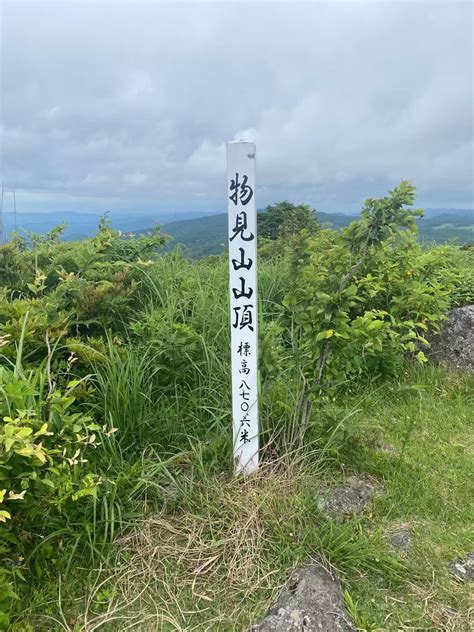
(218,559)
(118,505)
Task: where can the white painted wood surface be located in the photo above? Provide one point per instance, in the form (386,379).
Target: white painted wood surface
(243,302)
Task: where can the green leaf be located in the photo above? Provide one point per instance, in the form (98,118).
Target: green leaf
(421,357)
(8,442)
(4,515)
(322,335)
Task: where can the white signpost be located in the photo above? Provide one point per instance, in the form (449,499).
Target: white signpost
(243,302)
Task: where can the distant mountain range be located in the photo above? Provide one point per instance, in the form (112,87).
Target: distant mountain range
(203,235)
(208,235)
(441,227)
(82,225)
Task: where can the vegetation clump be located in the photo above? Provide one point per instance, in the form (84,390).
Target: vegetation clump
(115,429)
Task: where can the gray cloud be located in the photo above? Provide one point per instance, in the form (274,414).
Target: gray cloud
(128,106)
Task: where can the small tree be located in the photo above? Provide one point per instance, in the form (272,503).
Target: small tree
(285,219)
(360,297)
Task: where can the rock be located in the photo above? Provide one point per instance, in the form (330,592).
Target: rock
(388,448)
(454,345)
(348,499)
(311,601)
(401,538)
(463,568)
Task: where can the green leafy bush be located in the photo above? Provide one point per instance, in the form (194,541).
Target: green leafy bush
(41,442)
(70,289)
(364,297)
(43,448)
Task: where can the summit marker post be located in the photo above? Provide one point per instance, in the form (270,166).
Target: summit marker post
(243,302)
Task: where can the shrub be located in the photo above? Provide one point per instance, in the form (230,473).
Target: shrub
(70,288)
(362,298)
(43,446)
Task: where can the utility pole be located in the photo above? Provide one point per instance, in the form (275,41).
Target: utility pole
(1,214)
(14,209)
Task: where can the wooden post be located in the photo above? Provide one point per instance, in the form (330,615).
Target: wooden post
(243,303)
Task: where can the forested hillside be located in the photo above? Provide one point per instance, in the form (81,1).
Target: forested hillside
(208,235)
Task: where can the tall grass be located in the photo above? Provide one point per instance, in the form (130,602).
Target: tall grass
(124,384)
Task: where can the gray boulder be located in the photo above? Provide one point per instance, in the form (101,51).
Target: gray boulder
(348,499)
(401,538)
(311,601)
(463,568)
(454,344)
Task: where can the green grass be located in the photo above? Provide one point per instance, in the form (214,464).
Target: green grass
(216,557)
(170,540)
(419,442)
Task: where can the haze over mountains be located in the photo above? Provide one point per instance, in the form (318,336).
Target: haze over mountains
(208,235)
(82,225)
(202,234)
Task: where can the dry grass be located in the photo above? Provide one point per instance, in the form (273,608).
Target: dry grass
(443,617)
(209,566)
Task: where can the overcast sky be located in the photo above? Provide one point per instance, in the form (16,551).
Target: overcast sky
(127,106)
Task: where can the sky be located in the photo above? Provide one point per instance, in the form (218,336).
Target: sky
(127,106)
